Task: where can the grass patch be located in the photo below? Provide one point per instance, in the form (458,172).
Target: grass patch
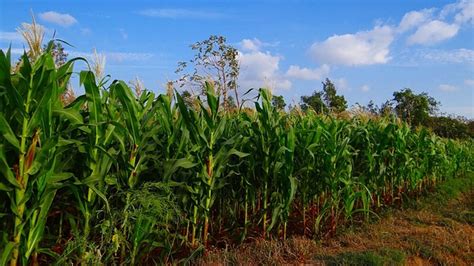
(453,187)
(377,257)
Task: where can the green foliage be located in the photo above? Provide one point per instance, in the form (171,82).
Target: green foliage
(414,108)
(325,101)
(378,257)
(449,127)
(214,60)
(335,103)
(119,178)
(278,102)
(315,102)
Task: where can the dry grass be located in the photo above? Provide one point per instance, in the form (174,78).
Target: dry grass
(263,252)
(435,231)
(424,235)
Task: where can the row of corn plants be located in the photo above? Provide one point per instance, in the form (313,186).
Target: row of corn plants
(117,177)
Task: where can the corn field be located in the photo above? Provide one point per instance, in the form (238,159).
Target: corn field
(116,178)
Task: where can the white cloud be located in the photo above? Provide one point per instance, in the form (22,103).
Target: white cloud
(433,32)
(432,28)
(307,73)
(413,19)
(64,20)
(460,56)
(447,88)
(365,88)
(469,82)
(466,14)
(179,13)
(7,36)
(261,69)
(362,48)
(251,45)
(463,11)
(425,27)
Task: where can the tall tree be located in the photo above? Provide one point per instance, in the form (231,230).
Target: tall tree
(335,103)
(215,60)
(413,108)
(386,108)
(372,108)
(314,102)
(325,101)
(278,102)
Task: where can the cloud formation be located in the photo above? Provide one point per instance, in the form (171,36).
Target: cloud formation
(443,25)
(460,12)
(251,44)
(261,69)
(255,44)
(64,20)
(459,56)
(413,19)
(433,32)
(307,73)
(362,48)
(420,27)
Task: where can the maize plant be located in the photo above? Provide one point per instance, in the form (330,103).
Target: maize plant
(33,147)
(207,130)
(121,178)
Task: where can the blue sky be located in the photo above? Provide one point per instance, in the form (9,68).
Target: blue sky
(368,48)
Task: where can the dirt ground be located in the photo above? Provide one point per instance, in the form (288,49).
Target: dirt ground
(436,230)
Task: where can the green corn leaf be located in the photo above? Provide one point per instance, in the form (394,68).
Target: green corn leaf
(125,96)
(5,168)
(212,99)
(93,97)
(4,187)
(6,253)
(71,114)
(7,132)
(56,178)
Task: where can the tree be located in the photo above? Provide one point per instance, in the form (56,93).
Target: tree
(215,60)
(231,103)
(386,109)
(278,102)
(413,108)
(449,127)
(325,101)
(314,102)
(372,108)
(335,103)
